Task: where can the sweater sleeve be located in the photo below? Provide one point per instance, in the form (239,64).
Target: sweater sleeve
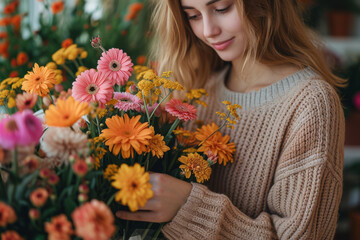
(304,197)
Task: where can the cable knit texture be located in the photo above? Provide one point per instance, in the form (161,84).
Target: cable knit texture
(286,179)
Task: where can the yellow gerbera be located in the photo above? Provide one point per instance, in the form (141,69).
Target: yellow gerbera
(157,146)
(39,81)
(134,186)
(127,135)
(66,113)
(195,163)
(217,143)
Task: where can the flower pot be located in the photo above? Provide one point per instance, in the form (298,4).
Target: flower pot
(340,23)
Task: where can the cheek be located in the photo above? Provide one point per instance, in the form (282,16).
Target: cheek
(197,30)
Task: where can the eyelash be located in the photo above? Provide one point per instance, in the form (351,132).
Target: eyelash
(220,11)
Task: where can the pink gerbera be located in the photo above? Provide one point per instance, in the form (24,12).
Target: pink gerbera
(116,64)
(92,86)
(127,101)
(183,111)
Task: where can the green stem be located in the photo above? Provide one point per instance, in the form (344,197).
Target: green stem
(102,48)
(15,165)
(153,112)
(119,88)
(146,231)
(158,231)
(98,124)
(76,64)
(172,128)
(68,70)
(110,200)
(145,106)
(147,162)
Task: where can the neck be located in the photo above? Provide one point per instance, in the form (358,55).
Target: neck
(256,75)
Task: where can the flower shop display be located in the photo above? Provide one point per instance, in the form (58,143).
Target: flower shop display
(71,159)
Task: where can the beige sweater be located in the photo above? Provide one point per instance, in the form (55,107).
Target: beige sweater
(286,179)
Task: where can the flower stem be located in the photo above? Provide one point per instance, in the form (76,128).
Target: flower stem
(68,70)
(15,165)
(145,106)
(172,128)
(153,112)
(147,162)
(110,200)
(98,124)
(146,231)
(158,231)
(222,125)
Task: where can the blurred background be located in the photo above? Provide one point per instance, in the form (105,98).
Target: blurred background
(31,31)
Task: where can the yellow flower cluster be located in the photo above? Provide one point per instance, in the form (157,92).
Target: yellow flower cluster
(195,94)
(58,72)
(97,152)
(80,70)
(110,171)
(8,89)
(231,116)
(70,53)
(149,83)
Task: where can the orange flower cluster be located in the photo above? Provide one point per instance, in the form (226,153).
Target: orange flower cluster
(134,10)
(57,7)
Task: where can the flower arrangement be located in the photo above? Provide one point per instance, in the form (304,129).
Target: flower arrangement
(86,153)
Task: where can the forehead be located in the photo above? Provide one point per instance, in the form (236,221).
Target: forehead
(198,2)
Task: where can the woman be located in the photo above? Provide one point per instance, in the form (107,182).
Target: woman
(286,179)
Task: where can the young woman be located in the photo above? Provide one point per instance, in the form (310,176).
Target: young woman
(286,178)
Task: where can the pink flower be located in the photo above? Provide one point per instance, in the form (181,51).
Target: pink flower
(39,196)
(34,213)
(7,215)
(59,228)
(26,100)
(80,168)
(22,128)
(116,64)
(357,100)
(94,221)
(11,235)
(127,101)
(92,86)
(183,111)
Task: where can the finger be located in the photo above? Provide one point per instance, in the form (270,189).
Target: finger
(144,216)
(151,205)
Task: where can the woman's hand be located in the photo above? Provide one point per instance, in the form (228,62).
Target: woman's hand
(169,195)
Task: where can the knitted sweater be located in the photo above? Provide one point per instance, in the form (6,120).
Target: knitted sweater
(286,178)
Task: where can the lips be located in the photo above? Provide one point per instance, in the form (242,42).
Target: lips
(222,45)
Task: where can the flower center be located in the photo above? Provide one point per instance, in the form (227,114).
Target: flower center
(125,100)
(92,89)
(114,66)
(37,79)
(181,108)
(11,125)
(27,103)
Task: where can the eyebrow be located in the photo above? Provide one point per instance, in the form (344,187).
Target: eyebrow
(207,4)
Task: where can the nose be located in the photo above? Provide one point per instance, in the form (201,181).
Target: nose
(211,28)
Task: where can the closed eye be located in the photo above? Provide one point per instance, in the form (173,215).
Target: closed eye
(223,10)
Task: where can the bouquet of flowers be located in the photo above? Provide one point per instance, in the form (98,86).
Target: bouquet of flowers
(87,152)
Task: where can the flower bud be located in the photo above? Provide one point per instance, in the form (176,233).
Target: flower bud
(53,179)
(83,188)
(34,213)
(133,89)
(83,197)
(96,42)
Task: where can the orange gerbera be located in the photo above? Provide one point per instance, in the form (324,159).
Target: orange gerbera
(57,7)
(66,113)
(217,144)
(195,163)
(126,135)
(185,137)
(157,146)
(39,81)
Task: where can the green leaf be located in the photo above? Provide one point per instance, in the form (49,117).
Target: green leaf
(24,184)
(3,195)
(70,206)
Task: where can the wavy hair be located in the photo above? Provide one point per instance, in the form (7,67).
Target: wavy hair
(276,35)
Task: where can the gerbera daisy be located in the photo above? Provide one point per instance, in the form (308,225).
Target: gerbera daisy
(11,235)
(26,101)
(195,163)
(126,135)
(116,64)
(39,196)
(127,101)
(183,111)
(60,142)
(157,146)
(39,81)
(59,228)
(134,186)
(217,144)
(185,137)
(94,221)
(92,86)
(7,215)
(66,113)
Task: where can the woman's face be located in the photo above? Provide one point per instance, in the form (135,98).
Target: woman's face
(218,24)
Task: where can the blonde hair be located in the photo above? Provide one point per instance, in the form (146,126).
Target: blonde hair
(275,33)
